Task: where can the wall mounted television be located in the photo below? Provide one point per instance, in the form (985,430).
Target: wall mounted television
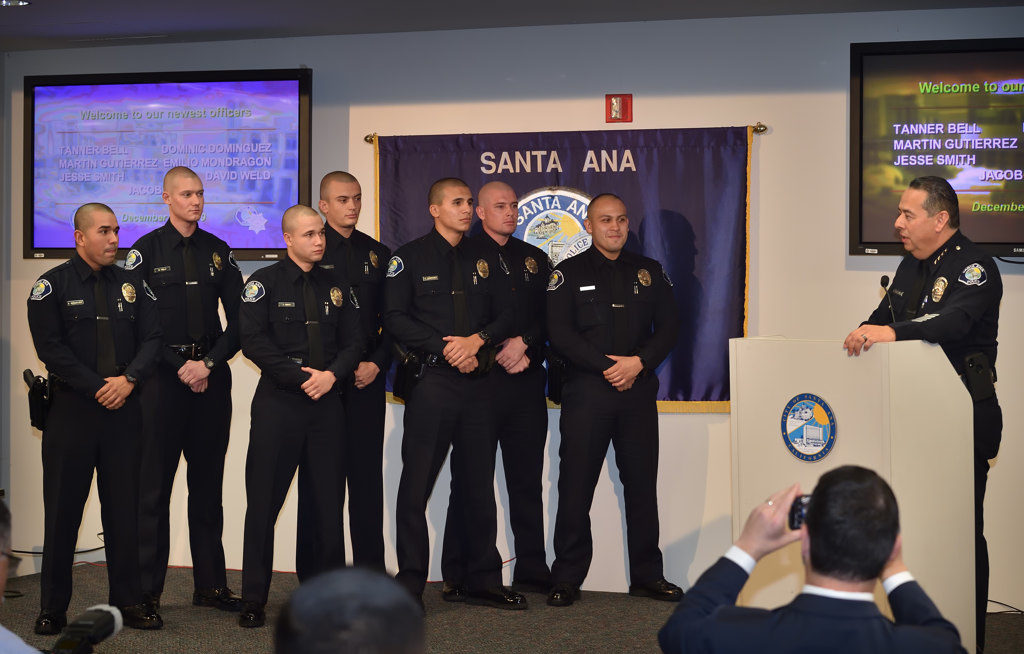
(110,138)
(949,108)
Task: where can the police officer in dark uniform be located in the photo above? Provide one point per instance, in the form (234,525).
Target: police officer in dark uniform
(358,262)
(297,326)
(441,304)
(947,291)
(95,327)
(612,317)
(519,408)
(187,403)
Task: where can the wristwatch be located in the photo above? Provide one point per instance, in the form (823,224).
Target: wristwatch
(485,336)
(209,363)
(131,378)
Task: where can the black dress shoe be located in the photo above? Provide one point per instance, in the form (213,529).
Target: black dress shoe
(141,616)
(662,590)
(531,586)
(221,598)
(498,597)
(453,592)
(563,595)
(252,615)
(50,624)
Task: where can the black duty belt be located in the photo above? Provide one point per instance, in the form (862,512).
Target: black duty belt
(190,351)
(56,381)
(434,360)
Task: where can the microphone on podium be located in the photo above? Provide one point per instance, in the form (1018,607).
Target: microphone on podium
(885,287)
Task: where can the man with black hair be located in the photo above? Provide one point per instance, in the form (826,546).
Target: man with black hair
(850,538)
(350,611)
(947,291)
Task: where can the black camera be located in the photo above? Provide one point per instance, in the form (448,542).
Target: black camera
(798,511)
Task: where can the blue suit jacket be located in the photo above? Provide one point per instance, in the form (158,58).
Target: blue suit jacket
(707,620)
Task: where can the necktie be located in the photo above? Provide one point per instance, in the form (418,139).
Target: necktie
(460,314)
(913,304)
(106,360)
(620,328)
(316,344)
(194,306)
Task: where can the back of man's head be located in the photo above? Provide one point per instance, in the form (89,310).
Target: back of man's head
(350,611)
(852,523)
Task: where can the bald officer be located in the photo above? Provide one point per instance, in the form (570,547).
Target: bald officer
(297,327)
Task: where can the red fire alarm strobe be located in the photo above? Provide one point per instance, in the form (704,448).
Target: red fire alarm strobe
(618,108)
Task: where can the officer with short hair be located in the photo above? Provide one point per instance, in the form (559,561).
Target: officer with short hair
(441,304)
(94,326)
(298,328)
(519,408)
(612,317)
(187,403)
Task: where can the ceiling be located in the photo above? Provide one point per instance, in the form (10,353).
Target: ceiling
(49,24)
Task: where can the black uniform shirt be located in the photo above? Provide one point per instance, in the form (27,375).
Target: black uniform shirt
(62,318)
(959,303)
(419,309)
(158,258)
(359,264)
(526,269)
(580,310)
(273,324)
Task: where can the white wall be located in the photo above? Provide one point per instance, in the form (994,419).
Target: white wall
(788,72)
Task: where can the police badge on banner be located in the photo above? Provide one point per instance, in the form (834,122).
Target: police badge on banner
(552,219)
(808,427)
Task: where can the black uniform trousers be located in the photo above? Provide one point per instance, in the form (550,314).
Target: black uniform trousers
(82,436)
(362,468)
(594,414)
(289,430)
(521,422)
(178,421)
(988,428)
(447,408)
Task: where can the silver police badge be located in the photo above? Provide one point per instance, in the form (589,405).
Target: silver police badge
(128,291)
(939,288)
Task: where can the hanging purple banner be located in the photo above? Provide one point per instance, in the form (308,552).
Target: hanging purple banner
(686,194)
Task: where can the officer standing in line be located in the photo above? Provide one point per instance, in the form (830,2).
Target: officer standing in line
(612,317)
(297,327)
(441,304)
(947,291)
(358,262)
(519,408)
(95,328)
(187,403)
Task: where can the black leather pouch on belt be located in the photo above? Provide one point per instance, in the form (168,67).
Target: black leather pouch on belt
(978,377)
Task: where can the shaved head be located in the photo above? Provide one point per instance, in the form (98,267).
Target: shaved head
(493,187)
(293,213)
(175,173)
(437,189)
(84,214)
(335,176)
(595,201)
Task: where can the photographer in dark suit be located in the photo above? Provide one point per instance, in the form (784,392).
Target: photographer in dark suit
(850,538)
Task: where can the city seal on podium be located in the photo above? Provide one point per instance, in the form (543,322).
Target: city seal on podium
(808,427)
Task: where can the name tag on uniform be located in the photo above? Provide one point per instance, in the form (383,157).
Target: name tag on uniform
(430,278)
(327,266)
(587,288)
(75,303)
(162,269)
(191,283)
(286,304)
(618,306)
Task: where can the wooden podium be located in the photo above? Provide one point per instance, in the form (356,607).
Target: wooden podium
(899,409)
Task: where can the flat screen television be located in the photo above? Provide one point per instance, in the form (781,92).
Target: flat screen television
(110,138)
(949,108)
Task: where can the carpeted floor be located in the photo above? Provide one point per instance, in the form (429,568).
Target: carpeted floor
(601,622)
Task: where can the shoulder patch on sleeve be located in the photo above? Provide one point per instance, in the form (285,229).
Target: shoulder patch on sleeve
(253,292)
(973,275)
(149,291)
(133,260)
(40,289)
(231,259)
(395,266)
(557,279)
